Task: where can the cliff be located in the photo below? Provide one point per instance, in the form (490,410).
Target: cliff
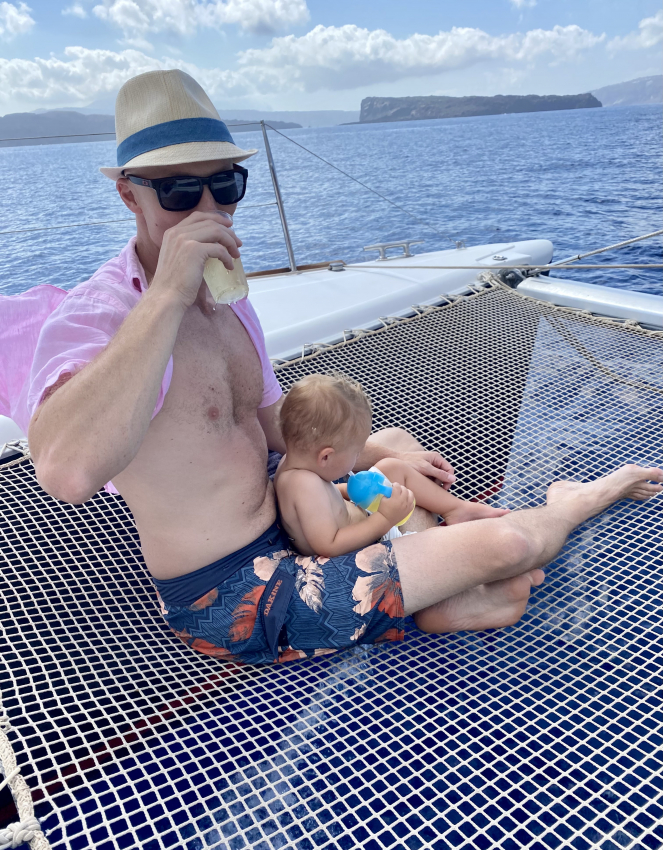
(374,109)
(643,91)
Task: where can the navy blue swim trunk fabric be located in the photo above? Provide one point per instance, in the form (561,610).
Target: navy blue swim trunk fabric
(276,605)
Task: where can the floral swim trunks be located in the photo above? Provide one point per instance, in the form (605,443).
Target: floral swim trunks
(267,603)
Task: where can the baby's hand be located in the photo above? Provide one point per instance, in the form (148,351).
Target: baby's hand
(398,505)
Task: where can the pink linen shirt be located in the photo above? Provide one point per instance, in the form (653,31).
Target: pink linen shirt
(21,319)
(85,321)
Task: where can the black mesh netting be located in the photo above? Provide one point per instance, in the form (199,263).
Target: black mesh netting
(543,735)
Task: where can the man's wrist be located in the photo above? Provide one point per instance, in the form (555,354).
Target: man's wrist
(164,300)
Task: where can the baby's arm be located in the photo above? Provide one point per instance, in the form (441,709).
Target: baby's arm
(343,490)
(320,527)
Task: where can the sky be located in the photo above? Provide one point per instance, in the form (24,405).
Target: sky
(319,54)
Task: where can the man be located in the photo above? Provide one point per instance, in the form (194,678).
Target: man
(141,381)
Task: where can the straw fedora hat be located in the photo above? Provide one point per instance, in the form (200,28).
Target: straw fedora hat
(165,118)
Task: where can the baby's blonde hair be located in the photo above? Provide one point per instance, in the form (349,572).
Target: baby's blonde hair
(324,410)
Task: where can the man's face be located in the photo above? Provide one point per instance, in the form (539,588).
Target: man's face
(143,201)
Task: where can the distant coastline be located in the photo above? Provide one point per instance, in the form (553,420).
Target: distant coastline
(61,126)
(381,109)
(96,123)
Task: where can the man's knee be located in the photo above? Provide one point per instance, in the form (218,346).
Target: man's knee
(393,468)
(398,439)
(510,546)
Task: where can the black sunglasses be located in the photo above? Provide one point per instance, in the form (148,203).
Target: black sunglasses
(177,194)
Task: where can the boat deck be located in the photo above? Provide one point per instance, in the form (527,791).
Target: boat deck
(543,735)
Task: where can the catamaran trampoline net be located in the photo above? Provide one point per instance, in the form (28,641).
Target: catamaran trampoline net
(546,734)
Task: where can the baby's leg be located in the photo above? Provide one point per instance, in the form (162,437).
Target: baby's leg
(432,497)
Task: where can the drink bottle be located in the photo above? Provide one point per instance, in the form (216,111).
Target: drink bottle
(226,286)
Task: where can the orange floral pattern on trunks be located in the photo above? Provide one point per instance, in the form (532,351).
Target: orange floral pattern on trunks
(205,601)
(391,634)
(213,651)
(244,615)
(335,603)
(291,654)
(378,587)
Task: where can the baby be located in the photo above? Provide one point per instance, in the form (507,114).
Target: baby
(325,421)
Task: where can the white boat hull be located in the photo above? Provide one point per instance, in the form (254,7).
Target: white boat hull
(317,305)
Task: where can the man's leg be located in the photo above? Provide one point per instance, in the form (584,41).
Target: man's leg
(399,440)
(478,575)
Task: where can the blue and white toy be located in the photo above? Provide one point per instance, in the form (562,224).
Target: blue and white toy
(366,490)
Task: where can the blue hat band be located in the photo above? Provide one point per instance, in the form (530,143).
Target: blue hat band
(172,133)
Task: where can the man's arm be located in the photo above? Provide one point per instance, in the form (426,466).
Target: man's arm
(269,418)
(91,428)
(430,464)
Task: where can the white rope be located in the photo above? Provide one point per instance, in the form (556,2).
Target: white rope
(12,447)
(27,828)
(9,777)
(18,833)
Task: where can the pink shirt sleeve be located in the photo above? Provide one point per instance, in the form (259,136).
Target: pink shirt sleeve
(79,329)
(244,311)
(72,336)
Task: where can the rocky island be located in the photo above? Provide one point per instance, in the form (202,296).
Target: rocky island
(377,109)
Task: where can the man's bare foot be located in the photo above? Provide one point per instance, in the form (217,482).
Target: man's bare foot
(468,511)
(627,482)
(488,606)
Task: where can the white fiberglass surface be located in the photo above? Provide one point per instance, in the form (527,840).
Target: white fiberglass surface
(316,306)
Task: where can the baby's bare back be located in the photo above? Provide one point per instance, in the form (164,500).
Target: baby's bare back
(293,485)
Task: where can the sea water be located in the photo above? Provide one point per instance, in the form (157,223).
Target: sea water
(581,178)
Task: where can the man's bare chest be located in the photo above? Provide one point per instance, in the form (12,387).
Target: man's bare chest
(217,376)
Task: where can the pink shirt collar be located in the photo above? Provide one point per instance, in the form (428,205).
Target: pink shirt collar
(134,269)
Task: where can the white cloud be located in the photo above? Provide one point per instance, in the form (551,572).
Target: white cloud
(185,17)
(76,10)
(86,74)
(332,58)
(649,34)
(14,20)
(523,4)
(347,57)
(138,43)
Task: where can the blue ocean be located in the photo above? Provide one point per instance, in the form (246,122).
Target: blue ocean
(582,178)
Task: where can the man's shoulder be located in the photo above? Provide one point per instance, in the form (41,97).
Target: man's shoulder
(112,284)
